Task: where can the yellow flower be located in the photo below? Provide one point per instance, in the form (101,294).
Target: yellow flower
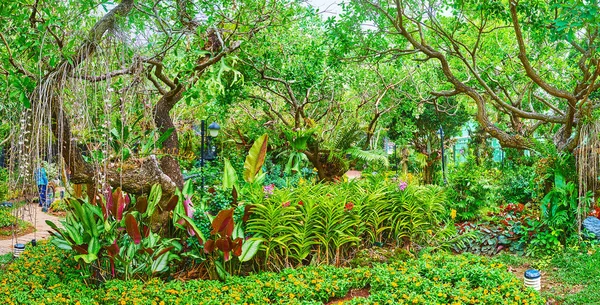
(453,213)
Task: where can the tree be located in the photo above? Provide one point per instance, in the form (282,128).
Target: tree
(324,107)
(73,65)
(529,63)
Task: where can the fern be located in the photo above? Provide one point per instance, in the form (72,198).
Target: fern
(369,156)
(344,139)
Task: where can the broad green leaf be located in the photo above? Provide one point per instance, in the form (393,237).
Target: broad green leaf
(256,158)
(87,258)
(249,249)
(161,263)
(153,200)
(229,175)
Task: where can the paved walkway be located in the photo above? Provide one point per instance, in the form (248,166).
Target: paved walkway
(6,246)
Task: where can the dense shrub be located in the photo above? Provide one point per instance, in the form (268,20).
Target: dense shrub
(516,184)
(471,187)
(43,276)
(326,223)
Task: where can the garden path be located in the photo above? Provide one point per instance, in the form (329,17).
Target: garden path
(6,246)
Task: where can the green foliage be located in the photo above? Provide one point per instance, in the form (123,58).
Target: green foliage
(112,239)
(218,200)
(326,222)
(7,220)
(516,184)
(430,279)
(255,159)
(370,156)
(576,268)
(3,184)
(471,187)
(506,229)
(10,224)
(280,178)
(60,206)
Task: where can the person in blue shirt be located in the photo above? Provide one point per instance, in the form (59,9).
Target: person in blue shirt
(41,179)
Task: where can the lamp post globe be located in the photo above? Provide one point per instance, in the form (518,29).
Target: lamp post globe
(213,129)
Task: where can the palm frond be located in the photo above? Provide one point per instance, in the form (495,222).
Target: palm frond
(370,156)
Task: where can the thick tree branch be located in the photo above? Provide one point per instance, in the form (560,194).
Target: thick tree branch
(525,61)
(12,61)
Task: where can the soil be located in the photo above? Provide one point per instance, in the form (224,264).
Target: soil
(59,214)
(549,283)
(6,232)
(38,231)
(353,293)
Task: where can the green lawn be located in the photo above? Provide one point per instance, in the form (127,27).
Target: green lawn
(569,278)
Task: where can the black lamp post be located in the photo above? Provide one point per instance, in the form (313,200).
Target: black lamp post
(441,132)
(207,153)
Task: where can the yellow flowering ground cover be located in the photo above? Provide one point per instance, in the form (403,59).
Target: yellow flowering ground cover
(45,275)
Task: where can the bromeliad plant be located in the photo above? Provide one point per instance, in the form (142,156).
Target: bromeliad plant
(112,238)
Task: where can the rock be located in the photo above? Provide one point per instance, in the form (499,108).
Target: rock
(592,224)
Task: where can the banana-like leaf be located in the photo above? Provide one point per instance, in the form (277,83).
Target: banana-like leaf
(221,271)
(153,199)
(188,188)
(117,198)
(229,175)
(94,246)
(172,203)
(191,225)
(87,258)
(256,158)
(223,223)
(132,229)
(249,249)
(141,204)
(62,244)
(161,263)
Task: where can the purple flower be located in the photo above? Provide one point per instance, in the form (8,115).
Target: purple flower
(402,185)
(268,189)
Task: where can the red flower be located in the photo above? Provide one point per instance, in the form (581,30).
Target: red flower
(300,202)
(285,204)
(349,206)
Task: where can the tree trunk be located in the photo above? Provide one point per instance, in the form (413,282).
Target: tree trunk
(163,121)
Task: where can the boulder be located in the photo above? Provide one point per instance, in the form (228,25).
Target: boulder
(592,224)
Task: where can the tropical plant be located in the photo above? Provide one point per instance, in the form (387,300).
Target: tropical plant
(113,239)
(416,213)
(471,188)
(327,223)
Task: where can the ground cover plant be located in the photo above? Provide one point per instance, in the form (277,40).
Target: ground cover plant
(10,224)
(45,275)
(567,278)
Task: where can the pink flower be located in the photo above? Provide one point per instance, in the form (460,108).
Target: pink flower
(402,185)
(349,206)
(268,189)
(286,204)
